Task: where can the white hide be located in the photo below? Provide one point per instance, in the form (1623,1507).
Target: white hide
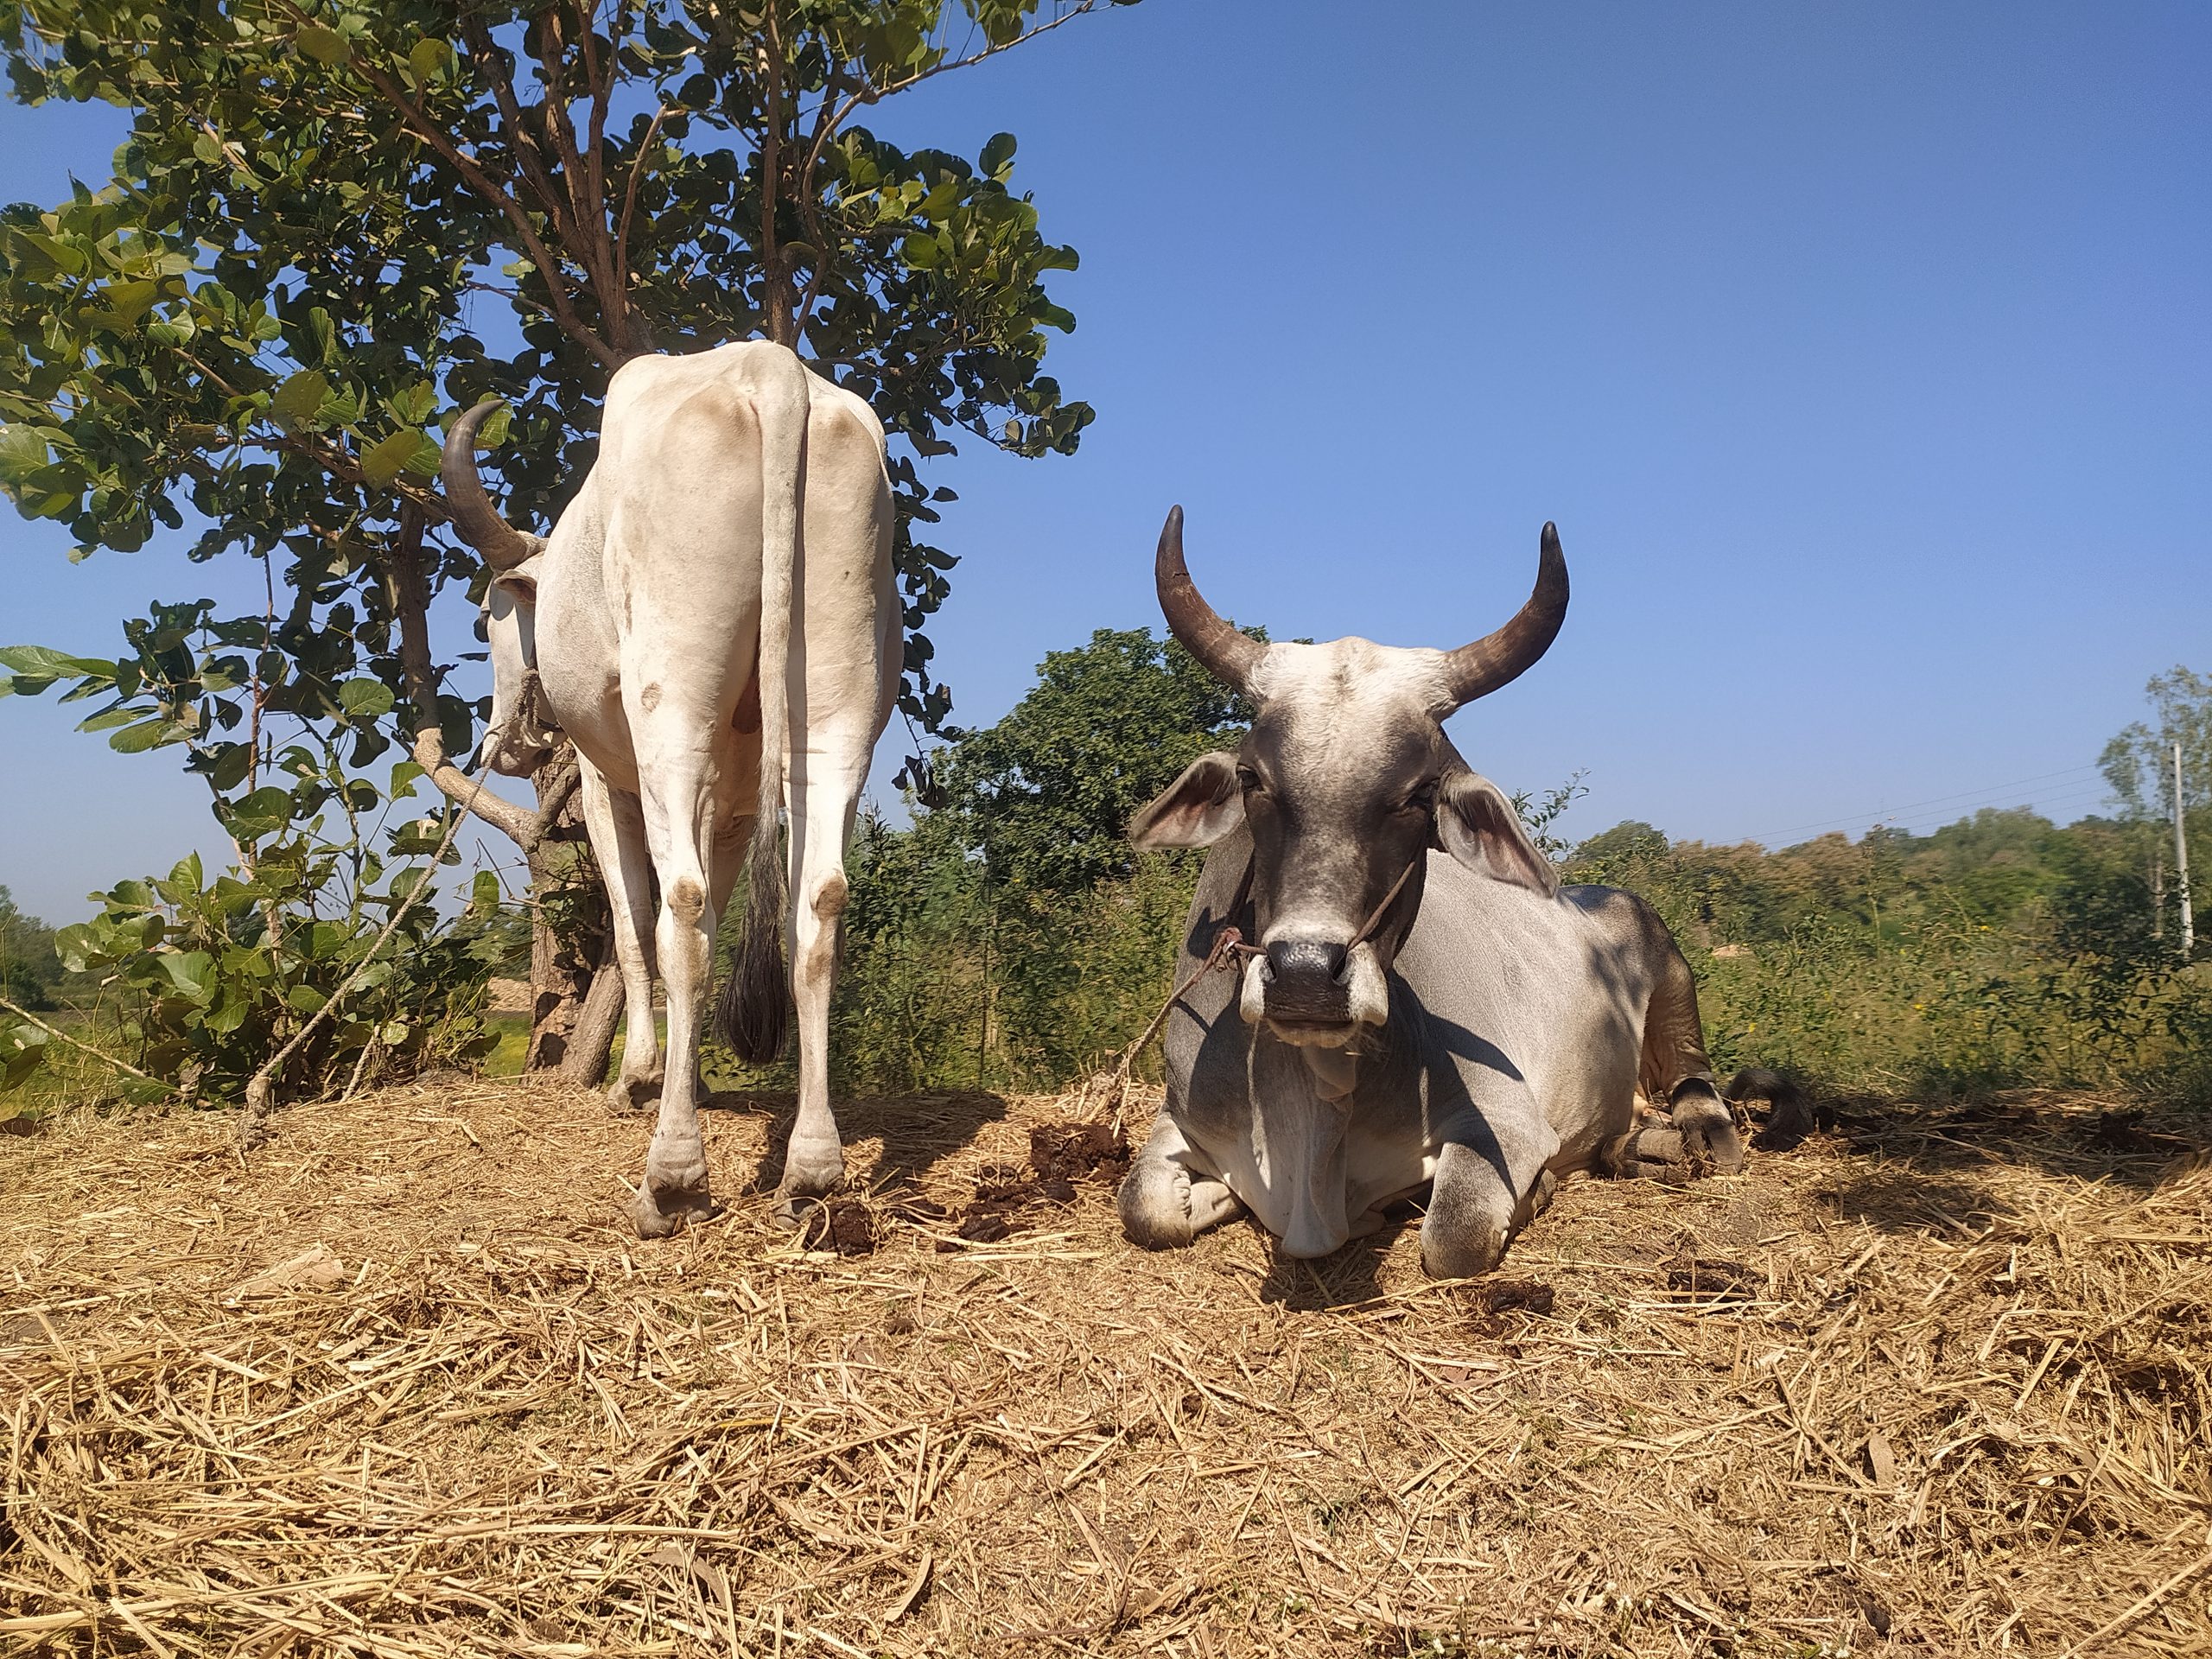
(647,626)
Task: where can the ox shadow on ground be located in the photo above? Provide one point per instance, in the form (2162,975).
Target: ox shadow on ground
(1350,1276)
(918,1131)
(1905,1164)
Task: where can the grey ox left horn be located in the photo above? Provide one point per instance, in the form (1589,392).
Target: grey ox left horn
(503,546)
(1227,655)
(1497,659)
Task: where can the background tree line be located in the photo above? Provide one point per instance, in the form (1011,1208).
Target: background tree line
(1010,937)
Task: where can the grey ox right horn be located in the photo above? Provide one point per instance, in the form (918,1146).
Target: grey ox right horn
(1478,669)
(1227,655)
(503,546)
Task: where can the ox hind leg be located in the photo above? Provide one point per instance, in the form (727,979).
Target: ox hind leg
(616,821)
(679,815)
(1676,1075)
(825,792)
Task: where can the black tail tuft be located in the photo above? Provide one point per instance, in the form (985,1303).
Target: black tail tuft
(1792,1117)
(754,1015)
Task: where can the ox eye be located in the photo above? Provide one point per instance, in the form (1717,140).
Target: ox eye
(1249,780)
(1421,800)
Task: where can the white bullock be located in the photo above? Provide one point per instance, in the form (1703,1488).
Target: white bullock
(712,622)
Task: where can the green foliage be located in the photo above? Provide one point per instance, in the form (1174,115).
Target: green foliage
(29,972)
(1045,797)
(202,981)
(259,320)
(2139,762)
(1999,951)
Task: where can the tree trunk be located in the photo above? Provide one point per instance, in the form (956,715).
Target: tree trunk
(570,934)
(592,1040)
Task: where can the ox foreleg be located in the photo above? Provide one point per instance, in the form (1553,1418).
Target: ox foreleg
(1171,1194)
(1493,1176)
(617,824)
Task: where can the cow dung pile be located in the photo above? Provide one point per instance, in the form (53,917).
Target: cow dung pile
(401,1382)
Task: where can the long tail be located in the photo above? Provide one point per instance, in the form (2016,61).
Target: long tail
(754,1011)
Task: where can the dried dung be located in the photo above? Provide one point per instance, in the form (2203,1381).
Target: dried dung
(840,1224)
(1700,1279)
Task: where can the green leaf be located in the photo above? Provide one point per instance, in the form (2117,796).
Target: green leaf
(998,154)
(78,947)
(294,404)
(429,60)
(186,876)
(22,452)
(366,699)
(305,999)
(190,971)
(323,44)
(121,713)
(484,893)
(147,734)
(403,451)
(267,810)
(38,659)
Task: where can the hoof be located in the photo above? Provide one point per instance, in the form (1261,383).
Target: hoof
(631,1097)
(1464,1252)
(1155,1205)
(1710,1140)
(810,1171)
(663,1212)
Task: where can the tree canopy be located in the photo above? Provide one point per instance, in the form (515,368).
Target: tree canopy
(257,327)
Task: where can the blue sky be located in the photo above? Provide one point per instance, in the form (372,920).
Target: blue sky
(1863,355)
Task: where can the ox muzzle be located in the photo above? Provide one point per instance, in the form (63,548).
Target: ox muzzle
(1316,993)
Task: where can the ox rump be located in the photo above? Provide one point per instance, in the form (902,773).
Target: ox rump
(1426,1007)
(712,623)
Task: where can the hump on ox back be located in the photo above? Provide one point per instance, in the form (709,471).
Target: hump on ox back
(1424,1011)
(732,542)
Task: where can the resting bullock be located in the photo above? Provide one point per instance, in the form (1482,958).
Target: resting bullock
(1427,1007)
(712,623)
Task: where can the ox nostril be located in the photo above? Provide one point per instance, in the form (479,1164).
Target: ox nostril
(1305,959)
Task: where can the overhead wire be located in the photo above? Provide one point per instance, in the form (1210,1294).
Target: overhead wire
(1969,799)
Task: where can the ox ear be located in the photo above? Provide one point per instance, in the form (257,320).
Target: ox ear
(519,584)
(1477,824)
(1197,809)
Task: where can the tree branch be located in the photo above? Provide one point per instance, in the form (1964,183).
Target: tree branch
(471,171)
(630,200)
(101,1055)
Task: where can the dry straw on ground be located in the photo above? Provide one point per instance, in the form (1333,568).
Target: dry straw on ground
(400,1383)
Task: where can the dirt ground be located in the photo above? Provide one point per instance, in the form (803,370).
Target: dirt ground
(400,1382)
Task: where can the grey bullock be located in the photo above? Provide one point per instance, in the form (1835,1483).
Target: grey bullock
(1423,1004)
(712,622)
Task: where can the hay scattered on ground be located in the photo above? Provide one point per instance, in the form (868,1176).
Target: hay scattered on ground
(401,1383)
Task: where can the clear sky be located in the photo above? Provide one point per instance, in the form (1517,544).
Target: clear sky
(1863,354)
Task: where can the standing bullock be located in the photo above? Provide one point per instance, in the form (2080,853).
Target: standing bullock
(1427,1007)
(712,623)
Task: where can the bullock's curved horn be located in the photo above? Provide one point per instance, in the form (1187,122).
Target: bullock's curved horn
(502,545)
(1496,658)
(1224,653)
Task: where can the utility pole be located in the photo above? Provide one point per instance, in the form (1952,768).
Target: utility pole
(2181,867)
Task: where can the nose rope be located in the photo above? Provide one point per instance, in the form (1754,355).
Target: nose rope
(1367,928)
(1228,945)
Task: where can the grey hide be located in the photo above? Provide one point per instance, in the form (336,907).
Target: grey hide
(1511,1056)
